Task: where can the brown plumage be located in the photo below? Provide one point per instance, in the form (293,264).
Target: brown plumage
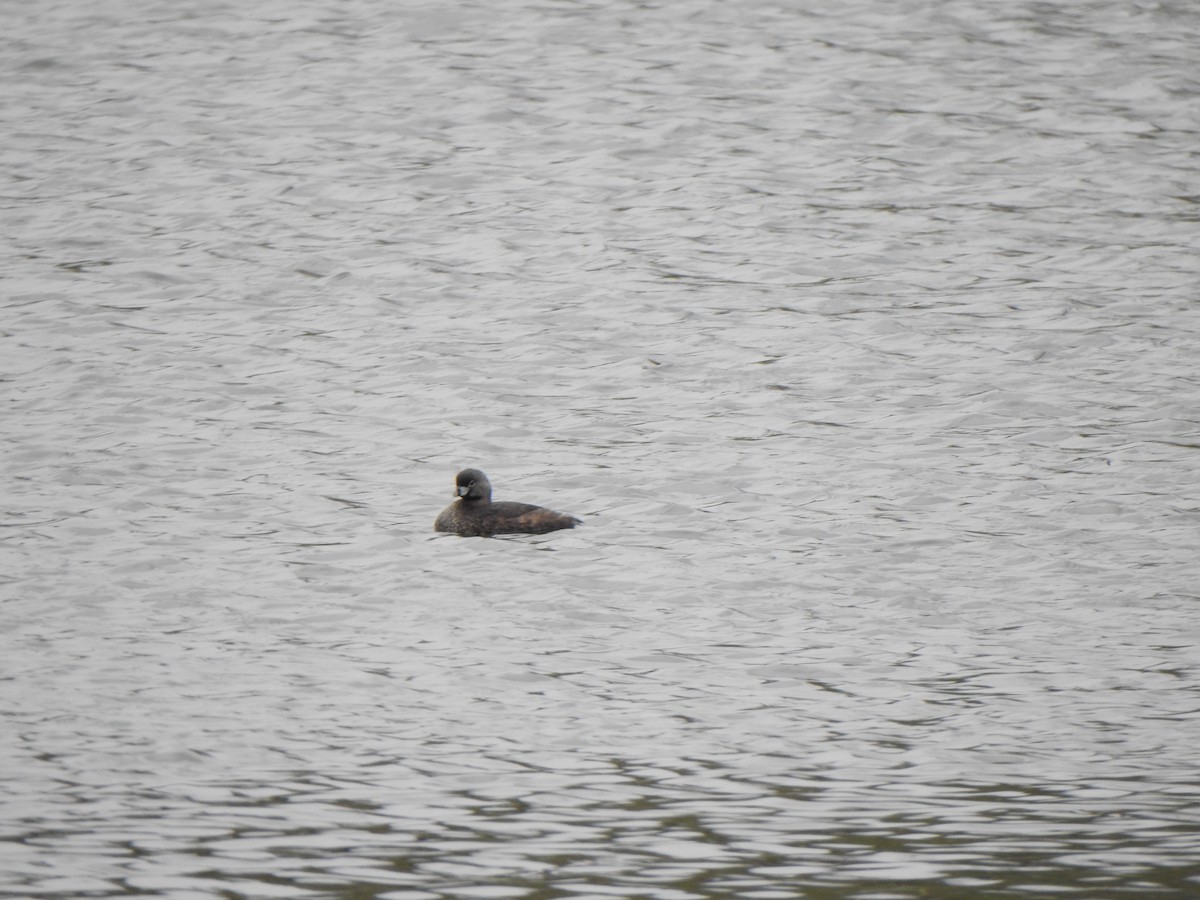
(474,514)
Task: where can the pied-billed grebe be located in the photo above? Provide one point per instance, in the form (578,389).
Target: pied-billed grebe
(474,514)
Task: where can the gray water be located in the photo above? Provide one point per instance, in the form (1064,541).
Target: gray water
(862,335)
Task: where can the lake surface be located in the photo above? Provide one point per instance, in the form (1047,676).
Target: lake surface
(862,335)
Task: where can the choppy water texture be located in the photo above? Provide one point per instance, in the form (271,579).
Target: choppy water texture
(863,335)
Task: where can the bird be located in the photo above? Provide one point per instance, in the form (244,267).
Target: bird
(474,514)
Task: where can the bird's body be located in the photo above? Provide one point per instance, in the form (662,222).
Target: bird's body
(474,514)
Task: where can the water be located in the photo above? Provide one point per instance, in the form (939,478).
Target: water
(861,335)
